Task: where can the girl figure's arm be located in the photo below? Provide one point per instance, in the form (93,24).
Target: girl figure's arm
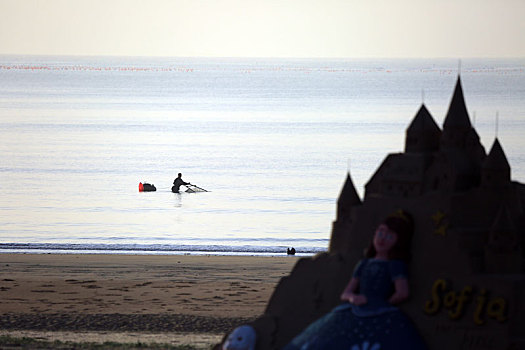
(401,291)
(350,295)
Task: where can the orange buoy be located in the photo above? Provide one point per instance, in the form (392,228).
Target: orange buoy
(141,187)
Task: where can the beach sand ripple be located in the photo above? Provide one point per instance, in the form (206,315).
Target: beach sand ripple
(63,295)
(120,322)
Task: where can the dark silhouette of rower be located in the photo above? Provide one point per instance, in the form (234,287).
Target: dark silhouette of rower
(177,183)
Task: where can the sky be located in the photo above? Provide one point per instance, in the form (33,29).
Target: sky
(264,28)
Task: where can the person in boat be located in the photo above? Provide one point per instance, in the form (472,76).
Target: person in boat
(177,183)
(368,317)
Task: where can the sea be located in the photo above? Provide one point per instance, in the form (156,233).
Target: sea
(271,140)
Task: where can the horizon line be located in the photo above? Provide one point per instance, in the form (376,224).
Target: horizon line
(267,57)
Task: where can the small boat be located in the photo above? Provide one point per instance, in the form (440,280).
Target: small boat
(190,189)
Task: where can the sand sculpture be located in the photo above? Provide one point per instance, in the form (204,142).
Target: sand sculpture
(467,272)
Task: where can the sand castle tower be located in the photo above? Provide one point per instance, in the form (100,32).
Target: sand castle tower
(467,273)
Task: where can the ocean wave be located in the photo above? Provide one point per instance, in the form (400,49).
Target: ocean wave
(154,249)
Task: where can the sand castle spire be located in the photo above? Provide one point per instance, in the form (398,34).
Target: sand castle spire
(457,115)
(423,133)
(346,203)
(495,168)
(347,199)
(460,147)
(457,122)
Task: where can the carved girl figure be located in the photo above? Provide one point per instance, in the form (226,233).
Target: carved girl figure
(368,318)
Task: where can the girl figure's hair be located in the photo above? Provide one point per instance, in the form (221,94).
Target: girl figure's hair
(402,224)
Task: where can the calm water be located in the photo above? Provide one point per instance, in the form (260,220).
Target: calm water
(271,139)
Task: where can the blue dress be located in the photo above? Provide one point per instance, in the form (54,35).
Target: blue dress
(376,325)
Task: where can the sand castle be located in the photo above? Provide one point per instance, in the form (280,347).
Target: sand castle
(467,273)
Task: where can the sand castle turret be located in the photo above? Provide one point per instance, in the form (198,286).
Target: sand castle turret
(423,134)
(404,174)
(458,164)
(495,168)
(457,122)
(348,199)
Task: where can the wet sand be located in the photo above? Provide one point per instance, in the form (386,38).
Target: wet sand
(179,299)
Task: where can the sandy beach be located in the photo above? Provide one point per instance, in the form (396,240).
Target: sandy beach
(177,299)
